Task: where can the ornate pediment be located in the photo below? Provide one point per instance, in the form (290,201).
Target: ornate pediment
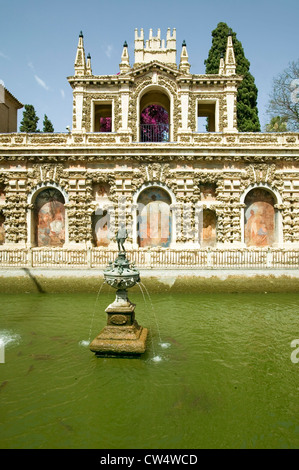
(155,67)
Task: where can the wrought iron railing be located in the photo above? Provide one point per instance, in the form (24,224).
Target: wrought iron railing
(166,258)
(158,132)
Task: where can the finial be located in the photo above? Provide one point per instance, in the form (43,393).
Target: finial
(81,34)
(184,43)
(230,32)
(88,56)
(125,44)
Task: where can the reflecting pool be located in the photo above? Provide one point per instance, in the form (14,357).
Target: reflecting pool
(217,373)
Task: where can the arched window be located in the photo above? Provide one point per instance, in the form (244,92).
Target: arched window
(260,221)
(154,117)
(154,223)
(49,218)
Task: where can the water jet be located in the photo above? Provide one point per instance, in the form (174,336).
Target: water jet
(122,336)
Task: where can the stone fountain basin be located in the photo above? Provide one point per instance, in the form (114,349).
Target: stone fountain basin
(122,281)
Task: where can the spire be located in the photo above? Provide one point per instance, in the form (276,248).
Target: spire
(221,65)
(230,61)
(80,62)
(184,64)
(124,66)
(88,65)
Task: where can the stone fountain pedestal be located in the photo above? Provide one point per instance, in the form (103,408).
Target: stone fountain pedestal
(122,336)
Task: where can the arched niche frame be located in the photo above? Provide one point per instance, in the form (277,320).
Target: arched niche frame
(254,217)
(157,95)
(31,199)
(102,224)
(152,185)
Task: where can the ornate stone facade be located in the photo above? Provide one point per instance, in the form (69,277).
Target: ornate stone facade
(205,185)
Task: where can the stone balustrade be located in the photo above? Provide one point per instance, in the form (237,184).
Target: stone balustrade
(239,139)
(152,258)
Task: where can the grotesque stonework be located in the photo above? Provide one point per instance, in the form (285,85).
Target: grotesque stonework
(115,167)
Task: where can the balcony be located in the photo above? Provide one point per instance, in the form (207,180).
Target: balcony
(158,132)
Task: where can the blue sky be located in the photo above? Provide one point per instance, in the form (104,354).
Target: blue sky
(38,41)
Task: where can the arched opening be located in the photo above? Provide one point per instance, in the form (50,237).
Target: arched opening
(2,228)
(154,222)
(49,218)
(260,218)
(100,228)
(207,231)
(154,117)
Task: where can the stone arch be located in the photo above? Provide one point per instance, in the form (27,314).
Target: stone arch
(41,186)
(261,220)
(47,217)
(159,96)
(153,218)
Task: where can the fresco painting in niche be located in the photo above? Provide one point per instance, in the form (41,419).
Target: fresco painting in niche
(100,191)
(2,229)
(100,229)
(259,218)
(154,218)
(2,192)
(208,191)
(50,212)
(208,229)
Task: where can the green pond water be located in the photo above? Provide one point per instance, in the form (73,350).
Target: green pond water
(222,378)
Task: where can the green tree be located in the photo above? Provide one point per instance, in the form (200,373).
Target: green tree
(284,99)
(30,119)
(48,126)
(247,112)
(277,124)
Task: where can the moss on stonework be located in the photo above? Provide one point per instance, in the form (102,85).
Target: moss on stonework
(181,284)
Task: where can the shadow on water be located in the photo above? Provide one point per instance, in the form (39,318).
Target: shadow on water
(35,281)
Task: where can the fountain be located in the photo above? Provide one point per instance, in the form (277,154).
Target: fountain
(122,336)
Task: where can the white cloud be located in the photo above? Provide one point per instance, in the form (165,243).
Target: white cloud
(41,82)
(109,50)
(4,56)
(31,66)
(62,93)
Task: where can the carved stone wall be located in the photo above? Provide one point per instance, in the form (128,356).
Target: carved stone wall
(180,176)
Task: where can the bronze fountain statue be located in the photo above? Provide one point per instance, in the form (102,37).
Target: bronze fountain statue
(122,336)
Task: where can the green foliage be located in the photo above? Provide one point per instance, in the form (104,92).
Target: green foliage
(247,112)
(277,124)
(48,126)
(30,119)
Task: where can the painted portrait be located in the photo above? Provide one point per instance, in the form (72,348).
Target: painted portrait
(2,192)
(208,191)
(101,191)
(50,212)
(154,218)
(259,218)
(208,228)
(100,225)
